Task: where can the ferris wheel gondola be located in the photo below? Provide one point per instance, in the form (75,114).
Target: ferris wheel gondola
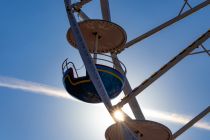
(101,37)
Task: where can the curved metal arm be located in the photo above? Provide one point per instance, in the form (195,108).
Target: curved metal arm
(66,64)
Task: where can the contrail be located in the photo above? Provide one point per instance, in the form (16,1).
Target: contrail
(42,89)
(33,87)
(176,118)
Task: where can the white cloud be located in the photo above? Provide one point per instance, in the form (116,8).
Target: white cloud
(33,87)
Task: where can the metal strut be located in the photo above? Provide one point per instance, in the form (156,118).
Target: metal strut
(204,51)
(127,88)
(188,4)
(207,51)
(185,3)
(87,59)
(164,69)
(168,23)
(128,134)
(192,122)
(133,103)
(77,6)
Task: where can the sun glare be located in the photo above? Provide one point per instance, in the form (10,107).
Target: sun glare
(119,116)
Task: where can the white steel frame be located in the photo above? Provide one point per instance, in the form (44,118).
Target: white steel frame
(130,94)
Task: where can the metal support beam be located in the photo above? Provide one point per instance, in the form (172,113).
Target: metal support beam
(191,123)
(105,10)
(207,51)
(128,134)
(200,52)
(164,69)
(86,57)
(188,4)
(82,15)
(185,3)
(168,23)
(133,103)
(127,88)
(182,7)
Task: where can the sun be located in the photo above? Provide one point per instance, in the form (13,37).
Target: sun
(119,116)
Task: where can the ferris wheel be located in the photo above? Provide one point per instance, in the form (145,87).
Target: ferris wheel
(99,41)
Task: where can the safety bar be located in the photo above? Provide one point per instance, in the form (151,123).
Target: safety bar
(68,64)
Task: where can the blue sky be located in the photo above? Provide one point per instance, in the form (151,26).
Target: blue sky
(33,46)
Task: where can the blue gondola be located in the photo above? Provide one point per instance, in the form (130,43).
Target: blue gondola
(83,89)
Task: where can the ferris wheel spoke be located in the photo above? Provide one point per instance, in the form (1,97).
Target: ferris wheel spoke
(164,69)
(192,122)
(168,23)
